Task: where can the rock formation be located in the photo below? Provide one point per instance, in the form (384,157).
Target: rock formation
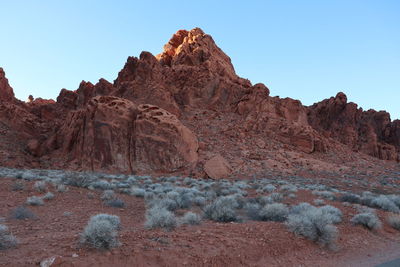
(6,92)
(115,134)
(369,131)
(149,120)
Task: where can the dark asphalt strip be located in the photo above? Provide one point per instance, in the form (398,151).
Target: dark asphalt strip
(394,263)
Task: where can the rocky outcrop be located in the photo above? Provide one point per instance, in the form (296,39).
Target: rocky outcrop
(142,80)
(85,92)
(115,134)
(6,92)
(162,142)
(369,131)
(148,120)
(199,74)
(282,119)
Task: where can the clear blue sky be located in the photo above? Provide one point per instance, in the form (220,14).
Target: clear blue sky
(308,50)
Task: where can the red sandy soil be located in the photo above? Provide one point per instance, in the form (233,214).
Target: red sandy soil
(209,244)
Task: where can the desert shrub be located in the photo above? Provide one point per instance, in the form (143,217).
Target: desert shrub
(7,240)
(209,195)
(367,198)
(288,188)
(324,194)
(384,203)
(222,209)
(264,200)
(351,198)
(22,213)
(167,203)
(269,188)
(113,219)
(276,197)
(61,188)
(48,196)
(242,185)
(368,220)
(334,213)
(301,208)
(101,184)
(77,179)
(191,218)
(183,198)
(319,202)
(40,186)
(17,186)
(291,195)
(115,203)
(149,195)
(28,175)
(34,201)
(199,201)
(253,210)
(67,213)
(395,199)
(122,185)
(108,195)
(138,192)
(277,212)
(160,217)
(101,232)
(394,221)
(312,223)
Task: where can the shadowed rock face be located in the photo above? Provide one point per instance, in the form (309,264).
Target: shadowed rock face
(135,123)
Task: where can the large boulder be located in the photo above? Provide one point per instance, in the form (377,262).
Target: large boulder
(115,134)
(217,167)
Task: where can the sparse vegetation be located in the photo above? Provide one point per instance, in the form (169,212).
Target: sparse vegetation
(319,202)
(48,196)
(101,232)
(384,203)
(277,212)
(269,188)
(334,213)
(113,219)
(40,186)
(368,220)
(394,221)
(253,211)
(138,192)
(160,217)
(191,218)
(67,213)
(78,179)
(223,209)
(325,194)
(34,201)
(116,203)
(108,195)
(7,240)
(61,188)
(312,223)
(351,198)
(22,213)
(17,186)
